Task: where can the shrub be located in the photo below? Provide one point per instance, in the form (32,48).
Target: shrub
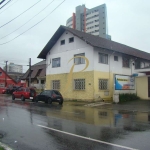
(127,97)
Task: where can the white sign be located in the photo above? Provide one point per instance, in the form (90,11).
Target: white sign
(123,82)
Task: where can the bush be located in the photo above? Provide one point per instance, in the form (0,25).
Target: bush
(127,97)
(1,148)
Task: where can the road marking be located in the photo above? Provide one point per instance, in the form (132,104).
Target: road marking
(116,145)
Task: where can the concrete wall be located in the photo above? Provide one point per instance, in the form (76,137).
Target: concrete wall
(142,87)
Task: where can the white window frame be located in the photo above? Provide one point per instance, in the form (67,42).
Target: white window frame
(123,58)
(61,42)
(79,60)
(57,62)
(70,40)
(104,60)
(115,58)
(55,84)
(79,84)
(102,86)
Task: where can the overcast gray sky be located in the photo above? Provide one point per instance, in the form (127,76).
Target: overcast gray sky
(128,23)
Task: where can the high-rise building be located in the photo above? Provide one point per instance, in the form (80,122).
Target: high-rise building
(92,21)
(11,67)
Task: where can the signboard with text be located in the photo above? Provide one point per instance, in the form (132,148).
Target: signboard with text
(123,82)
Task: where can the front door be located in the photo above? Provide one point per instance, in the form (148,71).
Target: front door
(148,86)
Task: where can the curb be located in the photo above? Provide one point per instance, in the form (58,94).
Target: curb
(5,146)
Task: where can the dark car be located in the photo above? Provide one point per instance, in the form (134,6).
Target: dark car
(24,93)
(49,96)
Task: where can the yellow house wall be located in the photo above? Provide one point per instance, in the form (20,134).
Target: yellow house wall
(142,87)
(70,93)
(91,91)
(101,93)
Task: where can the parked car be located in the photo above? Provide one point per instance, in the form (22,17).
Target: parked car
(4,91)
(24,93)
(49,96)
(10,90)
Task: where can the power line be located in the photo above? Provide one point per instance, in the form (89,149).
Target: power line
(34,24)
(8,7)
(27,21)
(5,4)
(2,2)
(20,14)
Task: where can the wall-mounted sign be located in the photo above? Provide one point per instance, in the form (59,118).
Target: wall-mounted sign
(123,82)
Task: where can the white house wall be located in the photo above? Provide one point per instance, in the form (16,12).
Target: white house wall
(66,52)
(116,67)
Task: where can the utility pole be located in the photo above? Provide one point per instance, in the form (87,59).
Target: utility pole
(6,74)
(29,72)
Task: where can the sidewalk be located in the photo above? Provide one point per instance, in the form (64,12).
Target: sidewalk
(139,105)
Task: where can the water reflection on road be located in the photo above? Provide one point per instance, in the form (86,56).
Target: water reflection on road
(101,124)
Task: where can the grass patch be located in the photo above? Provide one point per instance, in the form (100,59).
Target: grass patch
(1,148)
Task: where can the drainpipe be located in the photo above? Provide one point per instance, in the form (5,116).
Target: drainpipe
(109,66)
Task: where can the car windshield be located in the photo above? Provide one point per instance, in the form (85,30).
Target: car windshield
(57,93)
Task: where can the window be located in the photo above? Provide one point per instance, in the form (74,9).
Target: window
(103,58)
(55,62)
(62,42)
(56,84)
(79,84)
(71,39)
(103,84)
(79,60)
(137,64)
(115,58)
(42,81)
(0,73)
(102,114)
(126,62)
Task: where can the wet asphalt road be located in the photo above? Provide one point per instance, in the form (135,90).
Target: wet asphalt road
(31,126)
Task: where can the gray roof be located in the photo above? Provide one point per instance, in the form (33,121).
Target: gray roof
(43,62)
(94,41)
(37,70)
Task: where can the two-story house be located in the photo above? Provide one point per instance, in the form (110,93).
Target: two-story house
(87,67)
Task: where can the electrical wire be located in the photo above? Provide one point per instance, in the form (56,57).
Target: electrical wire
(34,24)
(27,21)
(5,4)
(2,2)
(8,7)
(20,14)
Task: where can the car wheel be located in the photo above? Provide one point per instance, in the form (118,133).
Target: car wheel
(33,100)
(22,98)
(13,97)
(61,102)
(49,101)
